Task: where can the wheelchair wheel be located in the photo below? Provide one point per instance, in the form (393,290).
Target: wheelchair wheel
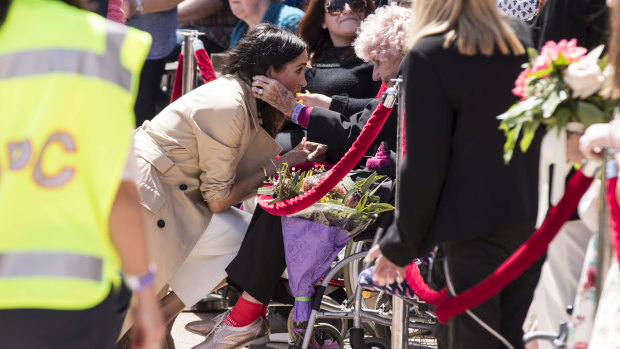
(376,343)
(351,273)
(324,334)
(342,325)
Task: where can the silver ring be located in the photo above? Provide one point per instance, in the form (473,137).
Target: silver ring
(260,91)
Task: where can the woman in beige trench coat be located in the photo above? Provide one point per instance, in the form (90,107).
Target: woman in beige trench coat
(207,151)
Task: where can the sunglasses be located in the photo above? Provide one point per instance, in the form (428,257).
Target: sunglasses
(336,7)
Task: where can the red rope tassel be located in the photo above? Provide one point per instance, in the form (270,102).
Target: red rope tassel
(204,65)
(336,174)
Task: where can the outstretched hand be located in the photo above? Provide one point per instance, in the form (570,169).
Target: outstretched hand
(315,100)
(317,151)
(386,272)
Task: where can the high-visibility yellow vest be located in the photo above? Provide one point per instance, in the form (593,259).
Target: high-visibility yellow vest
(68,83)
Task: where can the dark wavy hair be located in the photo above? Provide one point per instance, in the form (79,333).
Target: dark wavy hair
(310,30)
(264,46)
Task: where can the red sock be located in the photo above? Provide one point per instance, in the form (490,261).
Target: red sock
(263,312)
(243,313)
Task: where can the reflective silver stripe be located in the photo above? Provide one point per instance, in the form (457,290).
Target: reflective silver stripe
(55,60)
(50,264)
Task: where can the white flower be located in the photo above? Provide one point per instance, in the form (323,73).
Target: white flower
(584,77)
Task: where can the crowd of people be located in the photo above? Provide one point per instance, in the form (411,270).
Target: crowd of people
(103,194)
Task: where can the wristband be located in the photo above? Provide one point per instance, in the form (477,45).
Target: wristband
(140,282)
(296,112)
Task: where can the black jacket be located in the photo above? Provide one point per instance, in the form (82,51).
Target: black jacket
(454,184)
(339,131)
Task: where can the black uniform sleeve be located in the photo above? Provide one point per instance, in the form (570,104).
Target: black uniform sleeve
(339,131)
(429,121)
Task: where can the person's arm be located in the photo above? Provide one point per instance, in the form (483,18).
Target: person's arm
(127,235)
(429,123)
(339,131)
(219,140)
(149,6)
(242,189)
(192,10)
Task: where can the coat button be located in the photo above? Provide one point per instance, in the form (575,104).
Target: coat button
(183,186)
(161,223)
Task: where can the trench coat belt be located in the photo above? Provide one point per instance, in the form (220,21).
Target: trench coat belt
(149,150)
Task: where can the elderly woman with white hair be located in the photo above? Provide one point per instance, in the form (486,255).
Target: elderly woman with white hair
(260,262)
(382,40)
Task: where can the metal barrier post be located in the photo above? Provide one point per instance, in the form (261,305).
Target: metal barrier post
(608,170)
(189,64)
(400,309)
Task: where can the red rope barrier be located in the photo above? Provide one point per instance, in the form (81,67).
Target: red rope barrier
(614,214)
(178,80)
(514,266)
(204,65)
(336,174)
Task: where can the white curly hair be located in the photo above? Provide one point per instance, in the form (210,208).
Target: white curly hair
(383,34)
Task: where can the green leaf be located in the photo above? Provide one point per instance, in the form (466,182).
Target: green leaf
(265,190)
(532,54)
(561,61)
(541,73)
(372,192)
(553,100)
(529,130)
(603,62)
(511,140)
(589,114)
(368,182)
(362,203)
(377,208)
(562,116)
(348,183)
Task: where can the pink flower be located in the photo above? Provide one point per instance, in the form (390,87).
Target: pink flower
(550,51)
(521,83)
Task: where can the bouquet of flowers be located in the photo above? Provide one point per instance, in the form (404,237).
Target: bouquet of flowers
(351,205)
(562,84)
(314,236)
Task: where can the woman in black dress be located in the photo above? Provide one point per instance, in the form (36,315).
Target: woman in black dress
(456,191)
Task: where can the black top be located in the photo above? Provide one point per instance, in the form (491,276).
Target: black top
(585,20)
(454,184)
(332,75)
(339,131)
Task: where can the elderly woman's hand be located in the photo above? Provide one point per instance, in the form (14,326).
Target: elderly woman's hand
(275,93)
(315,100)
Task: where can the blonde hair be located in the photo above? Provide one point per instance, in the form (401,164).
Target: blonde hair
(383,34)
(476,26)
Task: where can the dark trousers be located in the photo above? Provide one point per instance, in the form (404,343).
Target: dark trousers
(150,95)
(471,261)
(93,328)
(260,262)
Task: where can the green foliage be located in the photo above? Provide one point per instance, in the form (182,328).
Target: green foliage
(548,101)
(358,195)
